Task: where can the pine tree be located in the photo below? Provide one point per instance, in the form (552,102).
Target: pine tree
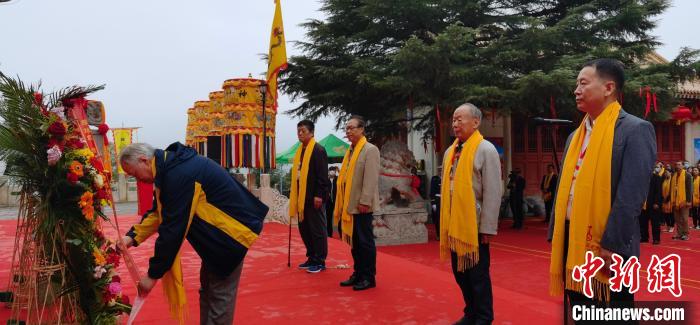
(377,57)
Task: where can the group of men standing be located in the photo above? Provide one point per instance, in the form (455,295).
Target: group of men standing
(353,194)
(592,206)
(607,170)
(673,196)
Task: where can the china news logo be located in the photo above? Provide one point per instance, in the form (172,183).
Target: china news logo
(662,274)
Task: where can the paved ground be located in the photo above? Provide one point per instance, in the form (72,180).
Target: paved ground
(123,209)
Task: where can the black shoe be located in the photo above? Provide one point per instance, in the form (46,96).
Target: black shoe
(363,285)
(305,265)
(461,321)
(349,282)
(656,242)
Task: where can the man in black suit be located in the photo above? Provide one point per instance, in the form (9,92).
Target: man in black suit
(330,207)
(652,209)
(311,212)
(516,185)
(548,186)
(435,183)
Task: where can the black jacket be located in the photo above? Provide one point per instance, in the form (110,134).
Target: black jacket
(655,195)
(317,182)
(552,184)
(225,217)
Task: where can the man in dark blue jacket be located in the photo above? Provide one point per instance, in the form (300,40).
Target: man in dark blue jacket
(194,198)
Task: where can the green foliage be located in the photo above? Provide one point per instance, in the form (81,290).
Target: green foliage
(376,58)
(281,178)
(66,191)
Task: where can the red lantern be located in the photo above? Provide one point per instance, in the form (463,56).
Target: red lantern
(682,114)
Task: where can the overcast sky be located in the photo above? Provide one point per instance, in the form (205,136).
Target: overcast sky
(157,57)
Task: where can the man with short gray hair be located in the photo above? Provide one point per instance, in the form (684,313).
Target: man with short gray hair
(471,193)
(194,199)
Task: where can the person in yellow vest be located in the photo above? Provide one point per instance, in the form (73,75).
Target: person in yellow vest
(356,200)
(471,193)
(695,210)
(605,177)
(548,186)
(667,207)
(681,199)
(309,192)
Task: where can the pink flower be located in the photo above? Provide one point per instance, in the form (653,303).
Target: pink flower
(115,288)
(54,155)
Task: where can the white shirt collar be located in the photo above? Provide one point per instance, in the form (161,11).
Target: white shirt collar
(589,124)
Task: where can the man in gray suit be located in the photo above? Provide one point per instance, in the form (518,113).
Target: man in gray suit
(633,154)
(364,199)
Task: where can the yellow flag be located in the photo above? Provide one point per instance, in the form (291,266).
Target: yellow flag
(277,57)
(122,138)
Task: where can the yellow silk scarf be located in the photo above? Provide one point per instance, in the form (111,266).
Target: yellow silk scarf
(173,284)
(459,231)
(666,193)
(342,197)
(547,182)
(678,195)
(298,195)
(696,191)
(590,207)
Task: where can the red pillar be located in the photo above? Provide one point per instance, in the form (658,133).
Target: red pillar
(145,196)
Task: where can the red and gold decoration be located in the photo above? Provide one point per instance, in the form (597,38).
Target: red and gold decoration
(64,268)
(122,138)
(650,96)
(682,114)
(234,115)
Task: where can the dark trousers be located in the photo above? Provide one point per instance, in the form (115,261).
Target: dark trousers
(364,252)
(330,207)
(653,216)
(695,213)
(475,284)
(670,221)
(516,205)
(548,209)
(435,214)
(573,298)
(313,232)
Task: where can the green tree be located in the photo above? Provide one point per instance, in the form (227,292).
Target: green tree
(376,58)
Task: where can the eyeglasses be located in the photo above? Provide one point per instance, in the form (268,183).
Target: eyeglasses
(351,127)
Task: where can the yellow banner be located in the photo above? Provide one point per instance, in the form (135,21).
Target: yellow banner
(277,57)
(122,138)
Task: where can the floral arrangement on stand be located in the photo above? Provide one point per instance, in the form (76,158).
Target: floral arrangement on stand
(48,153)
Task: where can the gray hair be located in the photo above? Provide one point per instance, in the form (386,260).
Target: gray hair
(135,150)
(474,111)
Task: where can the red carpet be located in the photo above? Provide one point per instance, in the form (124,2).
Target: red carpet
(413,286)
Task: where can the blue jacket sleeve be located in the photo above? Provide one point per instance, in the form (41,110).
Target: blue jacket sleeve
(176,202)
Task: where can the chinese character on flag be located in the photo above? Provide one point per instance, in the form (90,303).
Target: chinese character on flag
(626,274)
(665,274)
(586,271)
